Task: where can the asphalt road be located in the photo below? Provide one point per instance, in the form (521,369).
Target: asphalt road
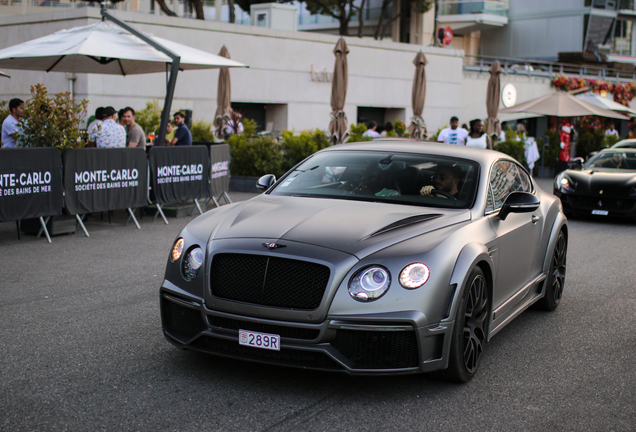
(81,349)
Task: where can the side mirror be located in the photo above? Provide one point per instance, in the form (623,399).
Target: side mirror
(519,202)
(265,182)
(578,162)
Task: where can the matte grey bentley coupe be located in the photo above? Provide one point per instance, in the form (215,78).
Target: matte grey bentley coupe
(369,258)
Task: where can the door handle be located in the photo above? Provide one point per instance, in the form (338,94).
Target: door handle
(535,219)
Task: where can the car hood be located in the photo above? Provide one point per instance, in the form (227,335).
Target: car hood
(612,182)
(357,228)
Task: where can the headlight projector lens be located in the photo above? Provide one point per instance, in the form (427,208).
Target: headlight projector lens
(370,284)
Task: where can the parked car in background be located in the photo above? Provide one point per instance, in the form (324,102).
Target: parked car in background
(384,257)
(627,143)
(604,186)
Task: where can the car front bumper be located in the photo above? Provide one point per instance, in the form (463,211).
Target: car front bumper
(392,343)
(590,205)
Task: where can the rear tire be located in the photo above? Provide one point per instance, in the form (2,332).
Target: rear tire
(469,331)
(556,276)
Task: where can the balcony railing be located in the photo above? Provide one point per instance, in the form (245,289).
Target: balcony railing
(473,7)
(532,68)
(369,14)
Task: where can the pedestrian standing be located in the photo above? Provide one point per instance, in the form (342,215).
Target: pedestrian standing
(10,126)
(453,134)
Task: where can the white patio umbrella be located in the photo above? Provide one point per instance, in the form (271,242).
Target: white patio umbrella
(606,103)
(104,48)
(108,48)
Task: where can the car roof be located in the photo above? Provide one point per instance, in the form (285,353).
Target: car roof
(627,143)
(481,156)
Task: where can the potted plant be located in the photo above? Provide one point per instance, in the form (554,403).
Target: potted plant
(51,122)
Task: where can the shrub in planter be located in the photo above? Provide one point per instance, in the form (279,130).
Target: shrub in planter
(512,147)
(255,156)
(298,147)
(593,141)
(51,121)
(356,131)
(149,118)
(249,127)
(202,131)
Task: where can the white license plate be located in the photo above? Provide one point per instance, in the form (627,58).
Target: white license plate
(259,340)
(600,212)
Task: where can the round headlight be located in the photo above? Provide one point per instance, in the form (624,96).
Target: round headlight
(192,263)
(370,284)
(414,275)
(177,250)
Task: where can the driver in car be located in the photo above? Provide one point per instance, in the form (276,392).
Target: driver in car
(446,179)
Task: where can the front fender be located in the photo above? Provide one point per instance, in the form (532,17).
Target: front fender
(471,255)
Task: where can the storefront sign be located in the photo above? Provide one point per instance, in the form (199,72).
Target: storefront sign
(320,76)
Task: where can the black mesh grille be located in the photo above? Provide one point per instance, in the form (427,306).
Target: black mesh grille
(592,202)
(378,349)
(283,331)
(268,281)
(181,322)
(284,356)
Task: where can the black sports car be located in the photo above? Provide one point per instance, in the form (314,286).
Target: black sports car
(605,185)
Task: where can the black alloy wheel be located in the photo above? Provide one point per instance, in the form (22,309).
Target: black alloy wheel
(556,276)
(469,332)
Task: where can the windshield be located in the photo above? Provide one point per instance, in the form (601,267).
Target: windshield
(613,159)
(426,180)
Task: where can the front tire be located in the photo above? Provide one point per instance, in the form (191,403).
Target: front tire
(556,276)
(469,331)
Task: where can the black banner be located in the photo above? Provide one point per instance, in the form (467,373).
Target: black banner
(102,179)
(30,183)
(220,173)
(179,173)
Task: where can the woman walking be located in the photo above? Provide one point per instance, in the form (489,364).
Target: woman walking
(477,137)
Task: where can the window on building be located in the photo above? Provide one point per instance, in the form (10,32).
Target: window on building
(622,38)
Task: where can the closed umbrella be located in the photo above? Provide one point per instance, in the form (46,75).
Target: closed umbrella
(223,97)
(562,104)
(493,93)
(417,128)
(338,128)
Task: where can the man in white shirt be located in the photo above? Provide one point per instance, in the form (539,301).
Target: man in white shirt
(371,130)
(110,134)
(611,131)
(10,124)
(453,134)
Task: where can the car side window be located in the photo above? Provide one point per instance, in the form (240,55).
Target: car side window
(506,177)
